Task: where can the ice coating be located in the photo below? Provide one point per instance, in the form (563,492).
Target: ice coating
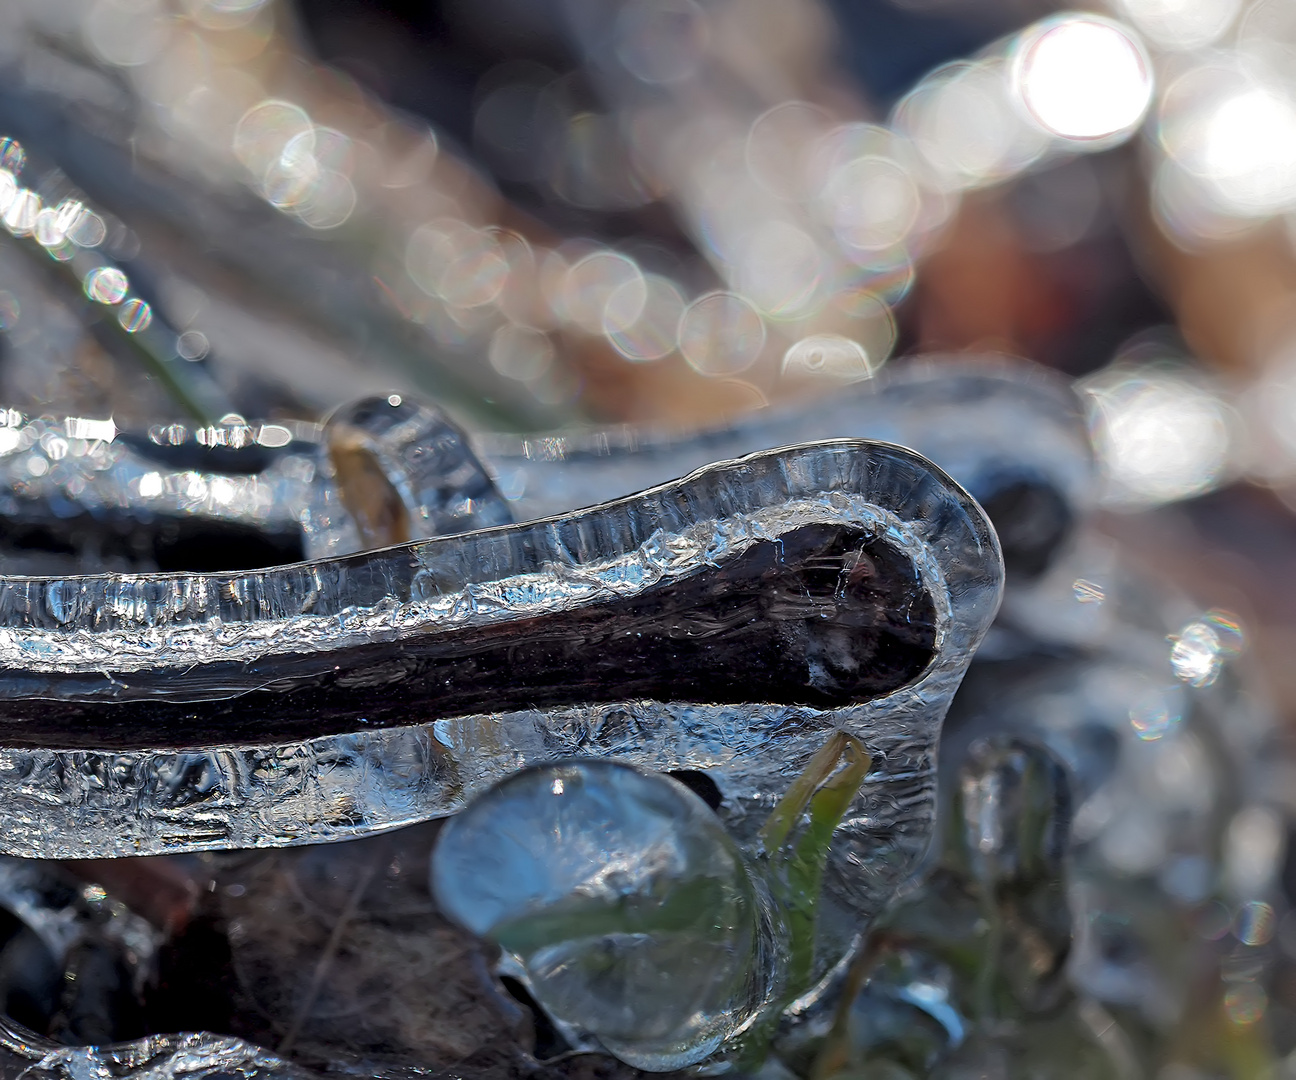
(87,769)
(1010,432)
(393,469)
(624,898)
(198,1056)
(967,976)
(77,495)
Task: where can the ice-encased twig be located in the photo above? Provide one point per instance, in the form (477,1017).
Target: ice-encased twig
(161,713)
(75,477)
(1008,431)
(193,1056)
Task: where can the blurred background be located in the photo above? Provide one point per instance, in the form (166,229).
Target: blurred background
(221,219)
(549,214)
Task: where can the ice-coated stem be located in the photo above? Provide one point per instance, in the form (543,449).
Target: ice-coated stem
(817,800)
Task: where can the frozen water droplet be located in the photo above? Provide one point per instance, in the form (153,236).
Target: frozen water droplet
(623,897)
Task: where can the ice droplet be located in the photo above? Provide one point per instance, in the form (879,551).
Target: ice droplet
(623,897)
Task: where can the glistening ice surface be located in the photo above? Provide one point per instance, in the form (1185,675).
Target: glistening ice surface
(624,898)
(77,495)
(388,469)
(1009,432)
(334,718)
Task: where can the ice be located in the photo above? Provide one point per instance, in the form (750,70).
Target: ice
(966,977)
(625,901)
(1009,432)
(237,494)
(342,697)
(393,469)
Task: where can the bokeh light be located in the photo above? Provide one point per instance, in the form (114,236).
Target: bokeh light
(461,265)
(1254,847)
(721,334)
(1254,923)
(642,320)
(106,284)
(88,230)
(872,203)
(134,315)
(964,123)
(779,268)
(1245,1004)
(591,283)
(1196,654)
(1083,78)
(21,212)
(1235,138)
(830,356)
(661,41)
(192,345)
(888,278)
(125,33)
(1181,24)
(1159,435)
(47,229)
(13,158)
(267,130)
(224,14)
(1153,714)
(780,149)
(520,353)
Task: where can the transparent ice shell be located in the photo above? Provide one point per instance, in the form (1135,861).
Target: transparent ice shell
(393,470)
(967,976)
(1008,431)
(1011,433)
(78,496)
(625,901)
(159,713)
